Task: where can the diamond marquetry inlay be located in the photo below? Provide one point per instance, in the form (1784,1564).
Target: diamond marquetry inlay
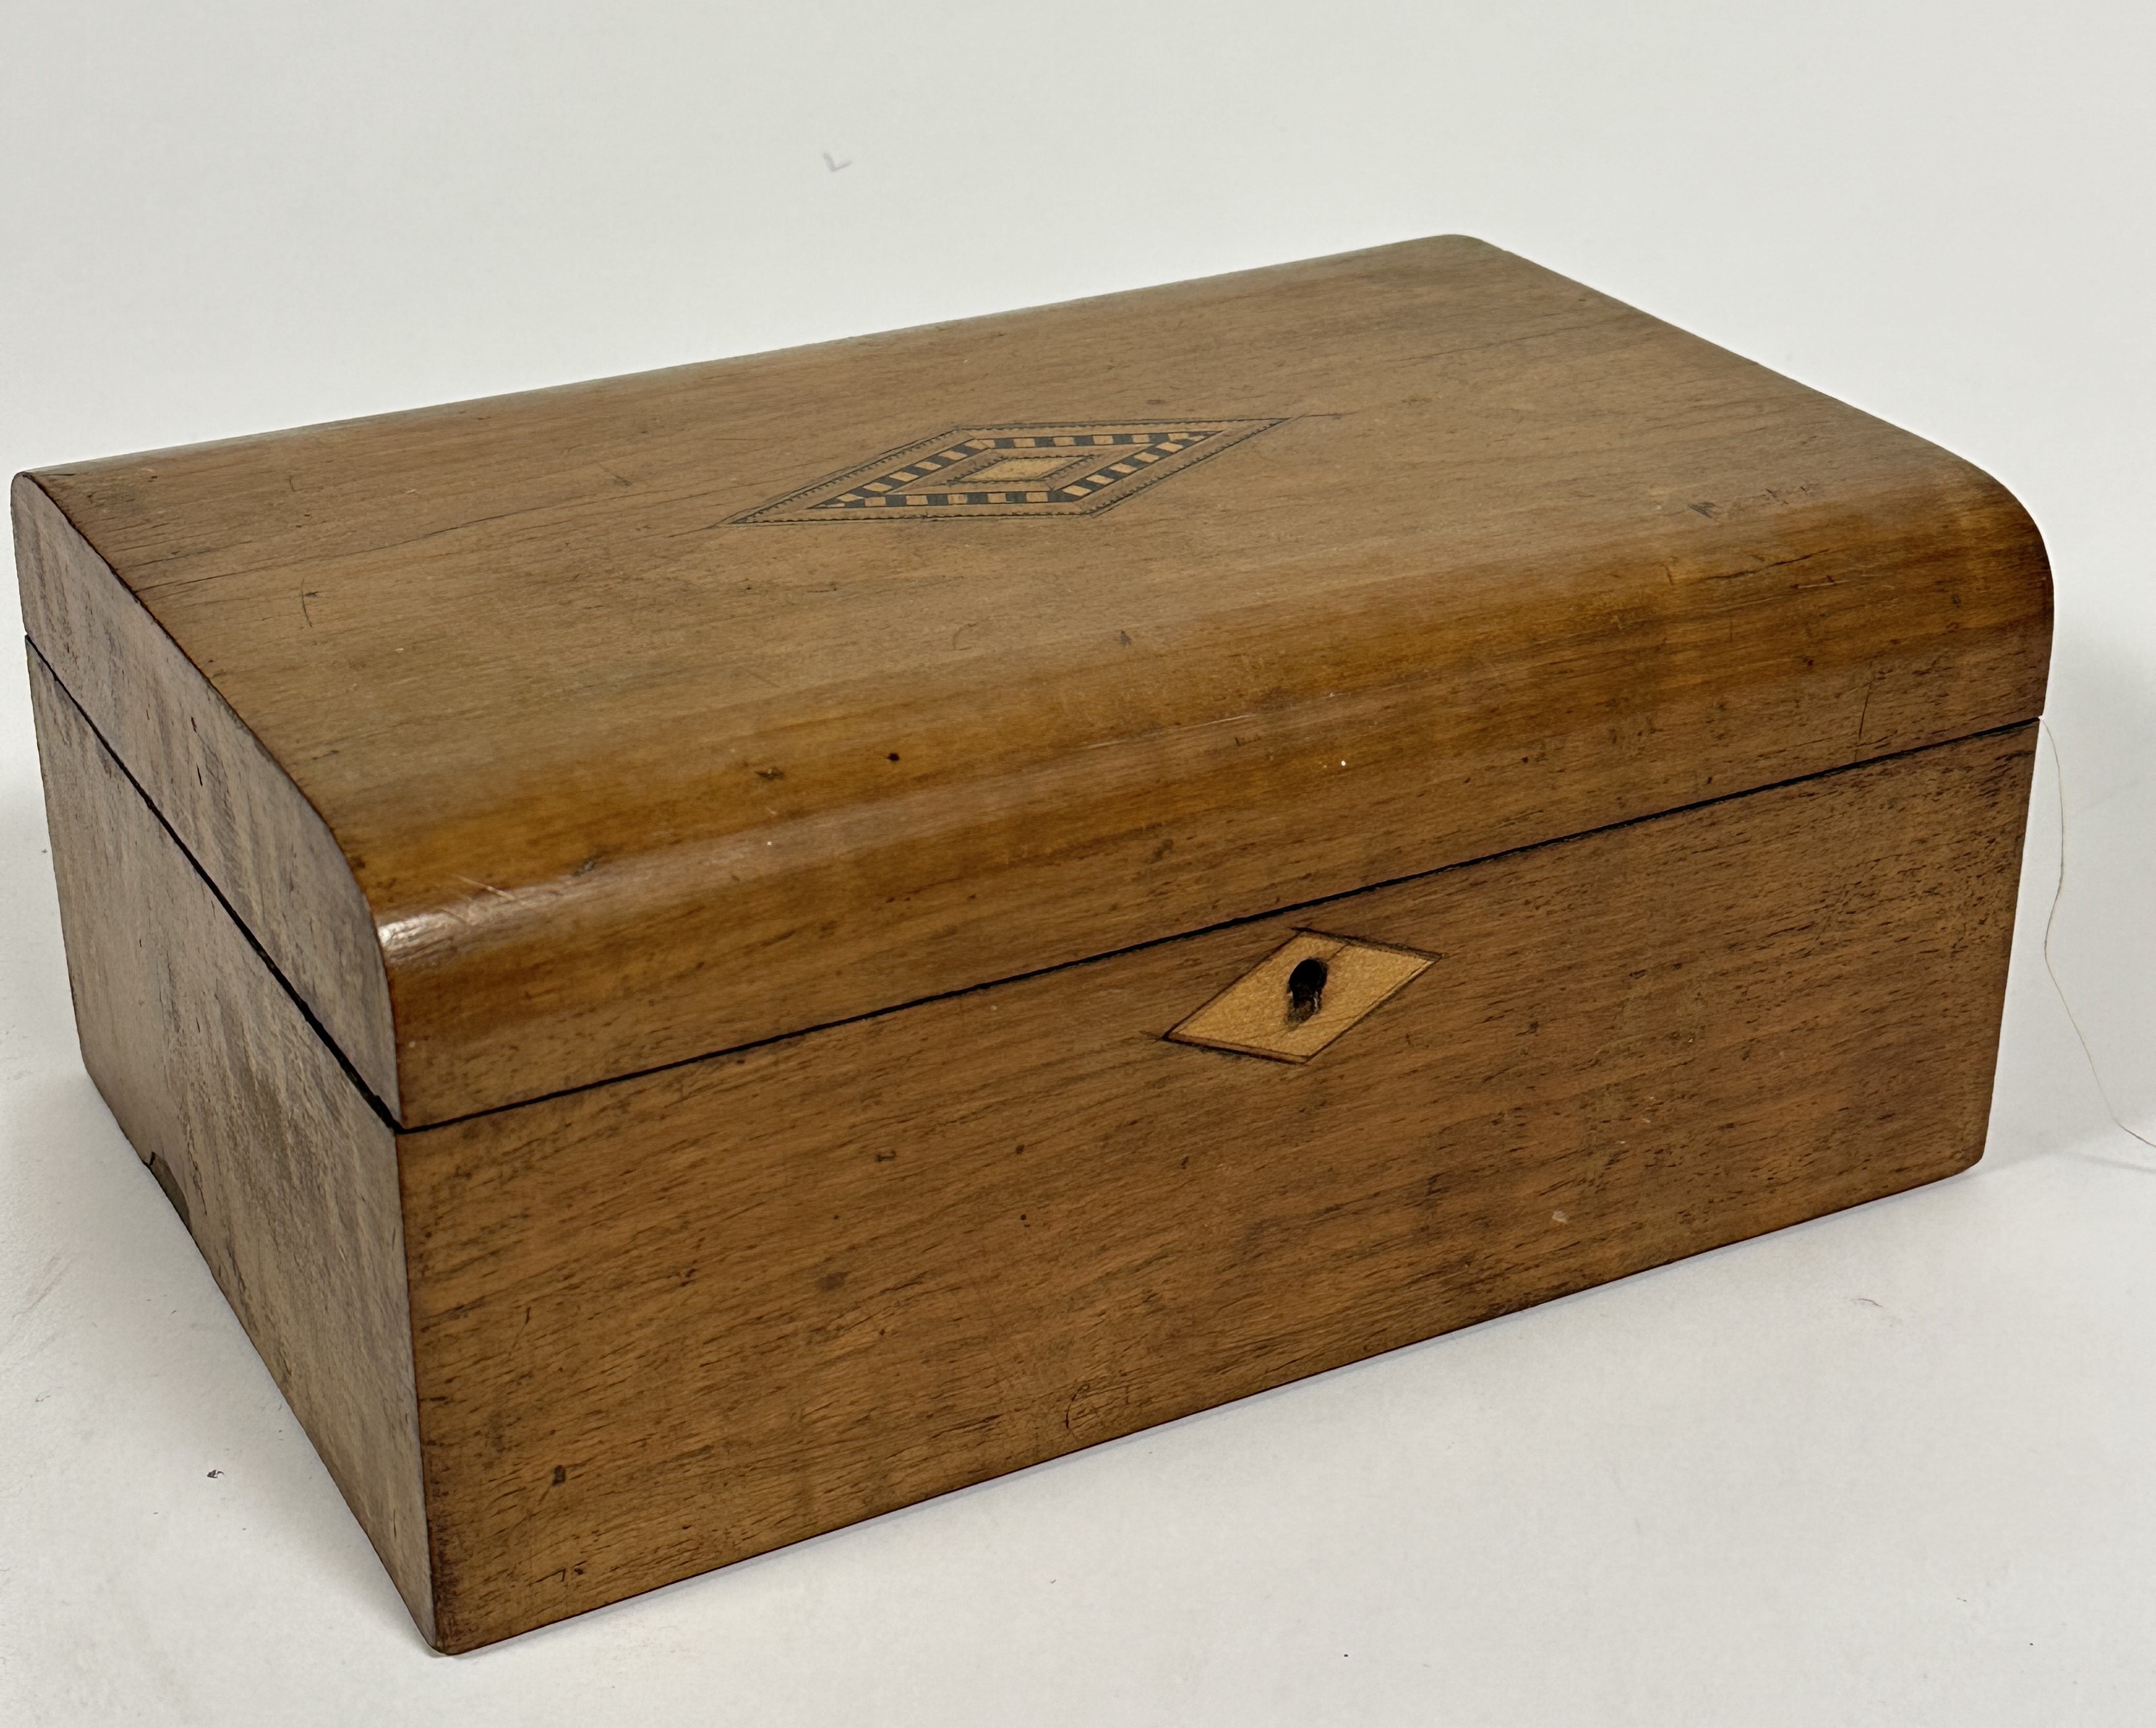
(1051,470)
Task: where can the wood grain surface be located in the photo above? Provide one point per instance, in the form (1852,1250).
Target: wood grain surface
(666,1323)
(241,817)
(282,1172)
(625,777)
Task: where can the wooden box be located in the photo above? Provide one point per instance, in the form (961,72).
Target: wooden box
(710,954)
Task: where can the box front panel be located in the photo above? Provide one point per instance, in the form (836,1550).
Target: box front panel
(672,1321)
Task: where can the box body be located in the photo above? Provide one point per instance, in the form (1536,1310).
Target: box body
(860,1136)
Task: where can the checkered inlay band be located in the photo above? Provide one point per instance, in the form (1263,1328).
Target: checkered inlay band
(1072,470)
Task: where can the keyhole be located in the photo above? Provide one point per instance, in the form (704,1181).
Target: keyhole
(1306,990)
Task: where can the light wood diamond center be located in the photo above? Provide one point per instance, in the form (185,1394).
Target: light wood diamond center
(1301,996)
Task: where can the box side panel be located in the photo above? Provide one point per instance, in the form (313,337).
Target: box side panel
(670,1322)
(249,827)
(282,1172)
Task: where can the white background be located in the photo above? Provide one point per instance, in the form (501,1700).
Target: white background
(1896,1466)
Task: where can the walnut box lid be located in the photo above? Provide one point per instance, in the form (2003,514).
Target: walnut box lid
(547,739)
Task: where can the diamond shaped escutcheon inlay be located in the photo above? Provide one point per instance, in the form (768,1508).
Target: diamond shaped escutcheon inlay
(1051,469)
(1301,996)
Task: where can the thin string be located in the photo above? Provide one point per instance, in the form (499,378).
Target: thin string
(2058,894)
